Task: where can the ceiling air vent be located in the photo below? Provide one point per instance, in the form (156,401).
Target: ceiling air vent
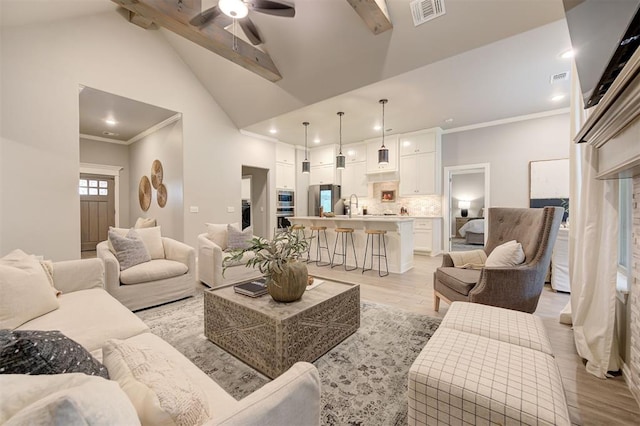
(426,10)
(561,76)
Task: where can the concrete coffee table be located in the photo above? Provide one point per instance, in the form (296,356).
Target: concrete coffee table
(272,336)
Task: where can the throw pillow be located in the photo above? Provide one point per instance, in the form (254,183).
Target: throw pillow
(217,233)
(143,222)
(507,254)
(25,292)
(152,238)
(47,265)
(239,239)
(160,391)
(45,352)
(64,399)
(130,249)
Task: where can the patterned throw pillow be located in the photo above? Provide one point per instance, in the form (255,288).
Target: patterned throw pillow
(130,249)
(45,352)
(239,239)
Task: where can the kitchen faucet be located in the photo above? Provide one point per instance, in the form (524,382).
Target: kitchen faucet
(351,202)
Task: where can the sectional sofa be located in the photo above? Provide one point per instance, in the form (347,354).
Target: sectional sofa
(151,380)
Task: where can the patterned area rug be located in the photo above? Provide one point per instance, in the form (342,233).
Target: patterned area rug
(364,379)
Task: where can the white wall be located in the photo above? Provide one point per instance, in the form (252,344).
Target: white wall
(111,154)
(165,145)
(509,148)
(42,66)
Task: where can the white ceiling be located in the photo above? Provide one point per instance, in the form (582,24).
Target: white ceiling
(484,60)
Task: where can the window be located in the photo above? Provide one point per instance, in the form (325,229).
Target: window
(624,238)
(93,187)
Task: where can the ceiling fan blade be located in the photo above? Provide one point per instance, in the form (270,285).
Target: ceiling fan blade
(205,17)
(250,30)
(271,7)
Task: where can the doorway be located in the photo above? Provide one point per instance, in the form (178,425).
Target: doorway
(97,209)
(259,201)
(467,195)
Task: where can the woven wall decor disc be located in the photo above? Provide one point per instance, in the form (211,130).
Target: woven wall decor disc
(144,193)
(162,195)
(156,173)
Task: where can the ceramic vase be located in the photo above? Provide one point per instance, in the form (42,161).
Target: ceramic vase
(289,285)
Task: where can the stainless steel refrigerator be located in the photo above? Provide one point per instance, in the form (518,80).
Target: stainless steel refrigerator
(323,195)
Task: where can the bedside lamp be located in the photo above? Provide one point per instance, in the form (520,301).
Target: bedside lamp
(464,207)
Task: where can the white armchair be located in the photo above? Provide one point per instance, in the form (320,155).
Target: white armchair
(210,258)
(151,283)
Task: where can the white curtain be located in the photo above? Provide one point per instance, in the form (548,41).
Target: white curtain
(593,251)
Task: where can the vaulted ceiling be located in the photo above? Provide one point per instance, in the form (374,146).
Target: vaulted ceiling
(483,60)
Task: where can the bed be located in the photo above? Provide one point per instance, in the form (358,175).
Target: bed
(473,231)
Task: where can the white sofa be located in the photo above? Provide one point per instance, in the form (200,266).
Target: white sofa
(151,283)
(90,316)
(210,270)
(487,365)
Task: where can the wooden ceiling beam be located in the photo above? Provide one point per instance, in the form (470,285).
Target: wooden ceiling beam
(374,14)
(139,20)
(165,14)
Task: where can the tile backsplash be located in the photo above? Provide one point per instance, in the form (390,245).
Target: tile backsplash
(426,205)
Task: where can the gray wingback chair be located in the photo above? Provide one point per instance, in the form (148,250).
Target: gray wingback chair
(514,287)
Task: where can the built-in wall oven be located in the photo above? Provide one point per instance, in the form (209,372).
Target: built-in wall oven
(285,207)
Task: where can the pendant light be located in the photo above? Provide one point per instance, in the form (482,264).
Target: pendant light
(340,160)
(306,164)
(383,152)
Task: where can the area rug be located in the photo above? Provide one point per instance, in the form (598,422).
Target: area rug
(364,379)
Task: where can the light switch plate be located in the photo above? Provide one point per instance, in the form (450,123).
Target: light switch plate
(231,209)
(193,209)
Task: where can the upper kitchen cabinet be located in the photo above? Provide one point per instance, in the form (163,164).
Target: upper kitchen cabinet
(418,142)
(285,176)
(355,153)
(354,179)
(420,163)
(323,155)
(285,153)
(373,145)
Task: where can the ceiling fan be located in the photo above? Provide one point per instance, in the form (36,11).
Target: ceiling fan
(226,11)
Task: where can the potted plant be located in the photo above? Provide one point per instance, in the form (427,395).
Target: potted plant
(279,261)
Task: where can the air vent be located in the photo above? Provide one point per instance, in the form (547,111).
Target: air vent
(426,10)
(561,76)
(107,133)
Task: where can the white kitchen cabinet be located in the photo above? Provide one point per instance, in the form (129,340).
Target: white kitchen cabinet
(426,236)
(323,155)
(285,153)
(418,142)
(354,180)
(355,153)
(285,176)
(373,145)
(323,175)
(418,174)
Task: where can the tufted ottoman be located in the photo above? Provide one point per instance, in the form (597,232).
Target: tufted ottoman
(486,365)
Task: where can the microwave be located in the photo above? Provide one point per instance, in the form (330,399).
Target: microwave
(285,198)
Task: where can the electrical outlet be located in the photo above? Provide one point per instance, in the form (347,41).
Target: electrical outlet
(193,209)
(231,209)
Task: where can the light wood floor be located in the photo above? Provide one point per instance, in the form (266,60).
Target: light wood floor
(591,401)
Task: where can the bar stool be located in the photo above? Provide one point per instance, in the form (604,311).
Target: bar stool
(319,246)
(341,234)
(298,230)
(380,234)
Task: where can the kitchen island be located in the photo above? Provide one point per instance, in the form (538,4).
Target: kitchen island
(399,238)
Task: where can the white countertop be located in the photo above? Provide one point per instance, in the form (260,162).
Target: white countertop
(367,218)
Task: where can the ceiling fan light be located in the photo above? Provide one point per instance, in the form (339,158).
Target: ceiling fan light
(383,155)
(340,161)
(233,8)
(306,167)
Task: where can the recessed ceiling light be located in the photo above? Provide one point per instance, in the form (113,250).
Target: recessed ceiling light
(107,133)
(316,140)
(568,54)
(377,127)
(110,121)
(557,98)
(449,120)
(273,131)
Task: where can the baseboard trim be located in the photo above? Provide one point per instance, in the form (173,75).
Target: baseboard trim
(633,387)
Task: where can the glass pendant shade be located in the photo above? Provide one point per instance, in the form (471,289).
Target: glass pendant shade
(233,8)
(306,167)
(340,161)
(383,156)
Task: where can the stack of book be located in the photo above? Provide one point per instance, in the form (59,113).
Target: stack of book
(253,288)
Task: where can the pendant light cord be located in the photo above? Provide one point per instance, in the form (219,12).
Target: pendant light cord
(341,114)
(306,125)
(383,101)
